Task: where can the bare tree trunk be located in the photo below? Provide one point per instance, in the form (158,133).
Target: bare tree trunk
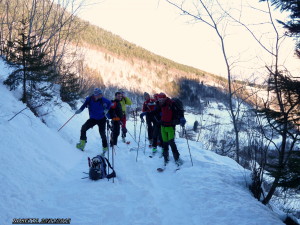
(10,14)
(24,97)
(213,22)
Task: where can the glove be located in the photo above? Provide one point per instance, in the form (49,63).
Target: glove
(182,121)
(142,115)
(108,115)
(78,111)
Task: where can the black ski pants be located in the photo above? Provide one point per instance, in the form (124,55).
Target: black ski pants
(90,123)
(173,148)
(115,132)
(168,135)
(156,134)
(150,125)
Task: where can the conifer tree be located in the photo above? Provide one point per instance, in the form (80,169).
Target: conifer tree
(32,70)
(69,86)
(283,115)
(293,25)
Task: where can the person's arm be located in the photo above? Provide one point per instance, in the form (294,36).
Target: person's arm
(144,107)
(83,106)
(107,102)
(182,120)
(119,110)
(127,101)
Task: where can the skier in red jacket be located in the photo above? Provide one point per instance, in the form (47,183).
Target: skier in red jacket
(168,127)
(149,106)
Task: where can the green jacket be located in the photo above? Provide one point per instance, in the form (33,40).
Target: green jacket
(125,101)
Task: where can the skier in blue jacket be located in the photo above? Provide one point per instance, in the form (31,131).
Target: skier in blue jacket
(98,106)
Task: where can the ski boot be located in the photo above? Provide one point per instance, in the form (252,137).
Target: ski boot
(166,160)
(150,143)
(104,150)
(178,162)
(81,145)
(154,150)
(162,153)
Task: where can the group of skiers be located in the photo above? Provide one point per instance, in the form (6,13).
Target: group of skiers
(159,112)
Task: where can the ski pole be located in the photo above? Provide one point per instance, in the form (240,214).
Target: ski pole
(137,152)
(108,140)
(188,145)
(131,136)
(112,148)
(145,138)
(66,123)
(113,161)
(134,122)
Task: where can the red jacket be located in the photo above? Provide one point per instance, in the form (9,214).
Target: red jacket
(167,113)
(149,105)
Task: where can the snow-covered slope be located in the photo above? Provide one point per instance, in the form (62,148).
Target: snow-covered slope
(41,173)
(136,74)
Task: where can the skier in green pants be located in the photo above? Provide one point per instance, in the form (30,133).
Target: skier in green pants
(168,127)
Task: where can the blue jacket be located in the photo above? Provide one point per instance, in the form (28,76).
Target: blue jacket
(96,108)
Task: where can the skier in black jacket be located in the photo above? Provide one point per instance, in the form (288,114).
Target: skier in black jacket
(115,113)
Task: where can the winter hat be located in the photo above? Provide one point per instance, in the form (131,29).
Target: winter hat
(97,91)
(155,96)
(161,95)
(146,94)
(117,93)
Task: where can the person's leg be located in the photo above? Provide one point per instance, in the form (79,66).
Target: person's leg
(174,149)
(115,132)
(164,135)
(171,141)
(150,128)
(124,130)
(83,139)
(102,129)
(155,134)
(87,125)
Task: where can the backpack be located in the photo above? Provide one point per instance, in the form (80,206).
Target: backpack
(98,166)
(178,110)
(115,110)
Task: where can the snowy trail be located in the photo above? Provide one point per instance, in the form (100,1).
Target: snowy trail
(141,195)
(41,173)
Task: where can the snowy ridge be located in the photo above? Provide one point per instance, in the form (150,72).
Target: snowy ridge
(41,173)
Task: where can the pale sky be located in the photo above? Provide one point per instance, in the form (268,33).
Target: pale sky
(157,26)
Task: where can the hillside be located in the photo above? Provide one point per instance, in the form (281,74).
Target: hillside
(106,60)
(124,64)
(41,173)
